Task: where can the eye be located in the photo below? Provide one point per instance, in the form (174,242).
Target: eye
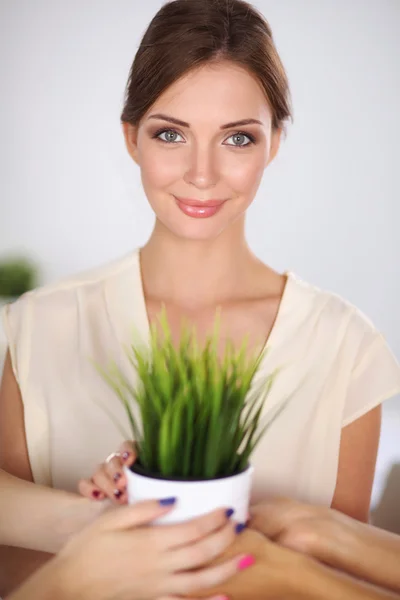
(239,139)
(170,136)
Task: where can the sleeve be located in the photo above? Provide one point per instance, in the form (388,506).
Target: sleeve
(18,323)
(375,376)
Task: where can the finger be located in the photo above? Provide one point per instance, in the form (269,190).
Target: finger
(188,583)
(114,469)
(105,483)
(128,453)
(89,490)
(202,552)
(173,536)
(136,515)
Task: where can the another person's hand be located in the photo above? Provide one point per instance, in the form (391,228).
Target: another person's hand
(109,480)
(302,527)
(277,572)
(137,562)
(333,538)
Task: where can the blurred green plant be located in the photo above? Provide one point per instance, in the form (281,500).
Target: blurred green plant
(17,276)
(198,417)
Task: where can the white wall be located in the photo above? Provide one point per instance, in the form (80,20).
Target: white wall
(328,208)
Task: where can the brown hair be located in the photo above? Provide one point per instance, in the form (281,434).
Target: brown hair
(186,34)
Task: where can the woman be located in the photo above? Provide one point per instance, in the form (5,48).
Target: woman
(203,118)
(109,544)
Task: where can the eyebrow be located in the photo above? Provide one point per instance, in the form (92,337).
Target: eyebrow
(240,123)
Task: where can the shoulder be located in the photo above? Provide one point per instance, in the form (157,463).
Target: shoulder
(68,291)
(58,313)
(329,311)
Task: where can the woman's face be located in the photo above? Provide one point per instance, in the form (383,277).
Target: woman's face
(202,149)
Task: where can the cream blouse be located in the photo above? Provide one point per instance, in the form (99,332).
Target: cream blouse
(335,367)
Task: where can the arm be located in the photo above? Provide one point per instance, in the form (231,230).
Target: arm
(333,538)
(278,572)
(139,561)
(15,564)
(281,572)
(357,460)
(40,518)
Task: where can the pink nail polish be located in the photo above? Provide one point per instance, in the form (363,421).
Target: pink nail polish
(246,562)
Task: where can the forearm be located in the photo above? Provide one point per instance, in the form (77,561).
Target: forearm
(283,573)
(321,582)
(17,565)
(40,518)
(362,551)
(46,584)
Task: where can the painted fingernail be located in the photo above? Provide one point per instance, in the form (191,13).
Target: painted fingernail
(240,527)
(126,455)
(246,562)
(229,512)
(96,494)
(117,477)
(167,501)
(117,493)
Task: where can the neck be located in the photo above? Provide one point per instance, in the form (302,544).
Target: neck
(196,272)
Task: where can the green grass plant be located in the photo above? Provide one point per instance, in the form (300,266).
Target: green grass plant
(198,416)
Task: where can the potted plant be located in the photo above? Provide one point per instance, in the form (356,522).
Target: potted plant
(195,420)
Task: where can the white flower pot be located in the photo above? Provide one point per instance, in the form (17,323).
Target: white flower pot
(194,498)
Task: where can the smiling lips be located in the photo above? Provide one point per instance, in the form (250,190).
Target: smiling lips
(199,209)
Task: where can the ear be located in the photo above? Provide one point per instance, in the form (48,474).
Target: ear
(275,144)
(130,135)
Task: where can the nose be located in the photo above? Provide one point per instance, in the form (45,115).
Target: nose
(201,170)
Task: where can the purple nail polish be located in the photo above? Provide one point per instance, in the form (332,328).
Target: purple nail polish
(167,501)
(117,477)
(126,455)
(229,512)
(240,527)
(117,493)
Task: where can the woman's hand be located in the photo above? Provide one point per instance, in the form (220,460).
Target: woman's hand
(109,480)
(137,562)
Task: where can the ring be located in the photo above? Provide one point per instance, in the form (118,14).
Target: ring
(111,456)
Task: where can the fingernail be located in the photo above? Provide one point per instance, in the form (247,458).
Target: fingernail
(96,494)
(117,493)
(167,501)
(229,512)
(240,527)
(116,477)
(126,455)
(246,562)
